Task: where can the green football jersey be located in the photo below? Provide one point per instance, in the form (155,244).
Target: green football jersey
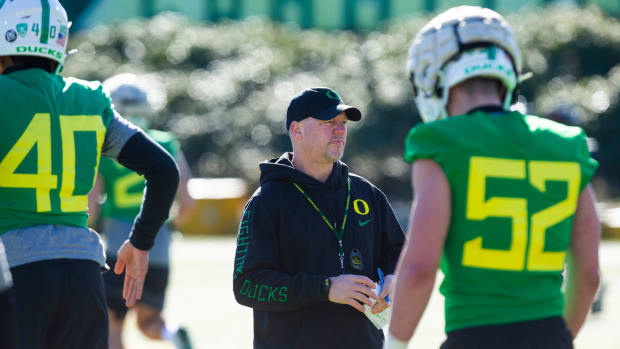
(123,187)
(53,131)
(515,180)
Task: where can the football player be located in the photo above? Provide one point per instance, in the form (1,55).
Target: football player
(54,131)
(502,199)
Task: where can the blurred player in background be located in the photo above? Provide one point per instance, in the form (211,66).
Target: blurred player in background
(123,189)
(500,198)
(54,130)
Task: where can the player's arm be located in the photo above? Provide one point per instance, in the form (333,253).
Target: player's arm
(147,158)
(93,201)
(184,201)
(259,281)
(417,267)
(144,156)
(583,267)
(138,152)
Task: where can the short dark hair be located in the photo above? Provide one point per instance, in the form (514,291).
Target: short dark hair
(36,62)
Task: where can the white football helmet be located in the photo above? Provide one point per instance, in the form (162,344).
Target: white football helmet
(130,95)
(461,43)
(34,28)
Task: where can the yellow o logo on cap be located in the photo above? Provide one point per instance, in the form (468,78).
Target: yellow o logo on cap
(364,206)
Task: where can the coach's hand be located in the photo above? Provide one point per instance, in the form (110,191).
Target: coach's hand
(135,262)
(388,287)
(353,290)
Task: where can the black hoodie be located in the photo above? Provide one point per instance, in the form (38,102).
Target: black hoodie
(285,250)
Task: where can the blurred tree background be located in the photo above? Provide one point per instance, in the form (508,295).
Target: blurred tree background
(227,85)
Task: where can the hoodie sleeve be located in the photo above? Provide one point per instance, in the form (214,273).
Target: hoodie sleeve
(392,237)
(257,281)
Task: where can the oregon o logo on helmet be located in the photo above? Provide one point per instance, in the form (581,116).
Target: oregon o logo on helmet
(10,35)
(40,49)
(333,95)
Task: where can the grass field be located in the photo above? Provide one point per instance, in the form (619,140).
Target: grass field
(200,297)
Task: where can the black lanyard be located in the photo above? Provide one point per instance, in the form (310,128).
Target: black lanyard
(337,233)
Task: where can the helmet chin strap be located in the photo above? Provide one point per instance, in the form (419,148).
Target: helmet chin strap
(443,113)
(508,99)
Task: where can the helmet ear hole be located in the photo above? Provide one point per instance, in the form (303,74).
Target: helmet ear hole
(439,92)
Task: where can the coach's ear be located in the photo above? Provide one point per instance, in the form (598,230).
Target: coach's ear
(295,130)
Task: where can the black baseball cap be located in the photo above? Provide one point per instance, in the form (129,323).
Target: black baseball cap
(320,103)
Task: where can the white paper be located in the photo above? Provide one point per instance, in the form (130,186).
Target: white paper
(380,319)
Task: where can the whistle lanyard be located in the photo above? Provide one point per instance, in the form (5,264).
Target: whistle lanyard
(337,233)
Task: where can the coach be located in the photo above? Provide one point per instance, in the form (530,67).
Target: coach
(313,236)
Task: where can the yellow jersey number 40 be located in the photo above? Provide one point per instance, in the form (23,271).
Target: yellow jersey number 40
(38,134)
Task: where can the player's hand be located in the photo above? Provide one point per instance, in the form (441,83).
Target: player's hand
(388,287)
(135,262)
(354,290)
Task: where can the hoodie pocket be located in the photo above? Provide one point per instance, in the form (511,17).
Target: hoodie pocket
(347,330)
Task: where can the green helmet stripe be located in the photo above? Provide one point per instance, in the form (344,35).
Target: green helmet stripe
(45,21)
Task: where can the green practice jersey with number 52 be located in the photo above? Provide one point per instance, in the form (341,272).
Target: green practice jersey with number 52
(53,131)
(515,181)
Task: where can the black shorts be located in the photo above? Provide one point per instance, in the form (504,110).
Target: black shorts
(153,293)
(536,334)
(8,321)
(60,303)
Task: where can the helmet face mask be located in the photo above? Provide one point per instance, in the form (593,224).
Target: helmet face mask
(34,28)
(461,43)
